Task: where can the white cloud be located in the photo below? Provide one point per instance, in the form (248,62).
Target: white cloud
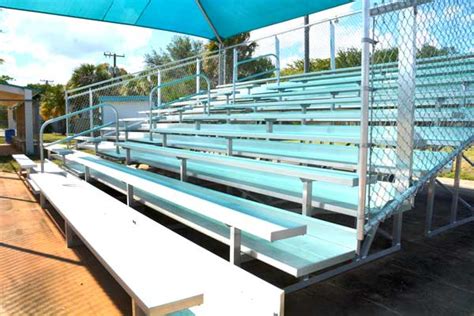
(37,46)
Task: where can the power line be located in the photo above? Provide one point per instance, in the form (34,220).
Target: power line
(115,56)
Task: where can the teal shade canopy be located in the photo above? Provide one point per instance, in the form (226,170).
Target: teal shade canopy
(204,18)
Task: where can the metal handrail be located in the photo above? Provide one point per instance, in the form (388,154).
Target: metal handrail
(69,138)
(172,83)
(216,53)
(236,63)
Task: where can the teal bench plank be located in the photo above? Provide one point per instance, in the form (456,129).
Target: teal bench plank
(324,244)
(302,172)
(425,135)
(328,196)
(389,115)
(333,156)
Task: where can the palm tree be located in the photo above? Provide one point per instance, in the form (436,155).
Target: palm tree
(52,102)
(87,74)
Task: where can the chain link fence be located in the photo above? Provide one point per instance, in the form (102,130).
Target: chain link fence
(421,108)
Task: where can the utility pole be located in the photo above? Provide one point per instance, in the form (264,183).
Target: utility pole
(114,55)
(46,81)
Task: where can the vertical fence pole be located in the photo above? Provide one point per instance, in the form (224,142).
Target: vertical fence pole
(91,113)
(306,45)
(198,72)
(406,98)
(66,110)
(220,66)
(277,53)
(224,67)
(158,83)
(454,204)
(332,43)
(235,73)
(406,110)
(364,124)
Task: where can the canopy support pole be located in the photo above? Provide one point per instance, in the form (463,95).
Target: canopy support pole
(198,2)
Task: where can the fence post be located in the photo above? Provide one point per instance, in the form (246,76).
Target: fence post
(91,113)
(224,67)
(66,111)
(364,124)
(277,53)
(158,83)
(219,66)
(235,72)
(406,98)
(198,72)
(332,43)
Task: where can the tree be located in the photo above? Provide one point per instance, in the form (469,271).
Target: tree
(52,101)
(244,52)
(4,78)
(87,74)
(181,47)
(351,57)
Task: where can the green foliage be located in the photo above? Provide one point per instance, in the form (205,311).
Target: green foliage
(351,57)
(4,79)
(244,52)
(87,74)
(52,101)
(181,47)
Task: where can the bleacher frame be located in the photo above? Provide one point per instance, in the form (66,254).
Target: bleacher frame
(180,111)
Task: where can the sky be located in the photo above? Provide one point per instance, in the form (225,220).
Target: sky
(45,47)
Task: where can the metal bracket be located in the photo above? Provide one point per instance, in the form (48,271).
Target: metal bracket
(369,40)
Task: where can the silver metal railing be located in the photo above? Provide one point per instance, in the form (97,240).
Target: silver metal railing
(158,88)
(237,63)
(68,138)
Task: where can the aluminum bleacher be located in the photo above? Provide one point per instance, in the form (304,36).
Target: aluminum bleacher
(324,141)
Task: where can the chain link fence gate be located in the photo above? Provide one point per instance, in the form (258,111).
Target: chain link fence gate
(421,100)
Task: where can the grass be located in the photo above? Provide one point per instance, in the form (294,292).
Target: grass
(52,137)
(8,164)
(467,171)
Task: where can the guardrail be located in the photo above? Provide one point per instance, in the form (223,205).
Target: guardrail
(158,88)
(237,63)
(91,129)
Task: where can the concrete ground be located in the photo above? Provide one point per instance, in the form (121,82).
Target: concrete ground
(39,275)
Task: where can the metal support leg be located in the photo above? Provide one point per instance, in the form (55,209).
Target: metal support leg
(307,198)
(397,229)
(429,205)
(229,146)
(42,200)
(454,204)
(183,170)
(72,240)
(235,242)
(369,239)
(128,158)
(87,174)
(130,195)
(136,310)
(269,124)
(164,141)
